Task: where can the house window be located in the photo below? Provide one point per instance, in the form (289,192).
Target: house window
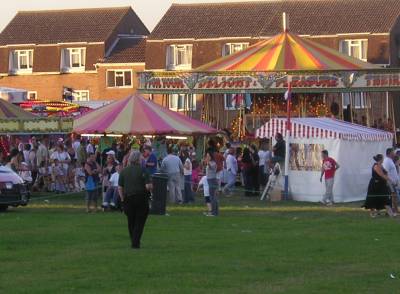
(179,57)
(81,95)
(182,102)
(119,78)
(21,61)
(73,59)
(32,95)
(355,48)
(230,48)
(357,100)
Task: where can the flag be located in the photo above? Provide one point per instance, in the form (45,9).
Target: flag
(288,93)
(237,100)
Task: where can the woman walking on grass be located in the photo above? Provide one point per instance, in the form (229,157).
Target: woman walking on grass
(378,196)
(211,173)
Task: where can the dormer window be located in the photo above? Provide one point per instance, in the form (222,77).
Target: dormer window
(231,48)
(73,59)
(21,61)
(179,57)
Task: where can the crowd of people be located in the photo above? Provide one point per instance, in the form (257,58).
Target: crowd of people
(77,163)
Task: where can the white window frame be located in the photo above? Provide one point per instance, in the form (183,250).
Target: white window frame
(360,100)
(31,92)
(82,61)
(172,56)
(115,76)
(354,43)
(78,93)
(244,45)
(175,105)
(21,53)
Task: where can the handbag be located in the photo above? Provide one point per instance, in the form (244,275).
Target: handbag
(90,184)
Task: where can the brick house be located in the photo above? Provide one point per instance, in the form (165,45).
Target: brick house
(190,35)
(95,52)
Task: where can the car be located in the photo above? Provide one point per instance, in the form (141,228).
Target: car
(13,190)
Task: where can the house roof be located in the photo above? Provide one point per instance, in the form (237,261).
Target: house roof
(62,26)
(264,18)
(128,50)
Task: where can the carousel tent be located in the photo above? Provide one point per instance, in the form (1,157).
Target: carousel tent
(286,52)
(351,145)
(11,111)
(136,115)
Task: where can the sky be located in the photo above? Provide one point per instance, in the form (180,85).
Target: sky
(150,11)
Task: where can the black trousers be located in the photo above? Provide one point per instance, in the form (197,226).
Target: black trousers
(136,208)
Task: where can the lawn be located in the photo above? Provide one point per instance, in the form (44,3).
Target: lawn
(55,247)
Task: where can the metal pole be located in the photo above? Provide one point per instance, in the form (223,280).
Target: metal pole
(287,141)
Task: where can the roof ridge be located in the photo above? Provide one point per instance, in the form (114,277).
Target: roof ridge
(257,2)
(74,9)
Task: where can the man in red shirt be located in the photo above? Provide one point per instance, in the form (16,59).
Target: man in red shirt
(329,167)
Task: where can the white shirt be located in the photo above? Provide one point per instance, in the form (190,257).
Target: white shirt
(61,156)
(231,164)
(206,189)
(75,146)
(89,149)
(114,179)
(390,167)
(265,156)
(187,168)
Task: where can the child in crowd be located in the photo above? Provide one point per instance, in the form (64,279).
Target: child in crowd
(43,178)
(71,176)
(111,199)
(206,192)
(58,176)
(79,177)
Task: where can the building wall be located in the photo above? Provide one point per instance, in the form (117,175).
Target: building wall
(106,93)
(50,86)
(205,51)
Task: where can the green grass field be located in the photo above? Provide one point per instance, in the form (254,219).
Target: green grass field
(252,247)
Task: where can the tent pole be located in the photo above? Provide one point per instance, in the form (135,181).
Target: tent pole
(351,106)
(367,107)
(387,105)
(393,121)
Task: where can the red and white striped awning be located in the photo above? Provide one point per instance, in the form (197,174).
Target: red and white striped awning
(322,128)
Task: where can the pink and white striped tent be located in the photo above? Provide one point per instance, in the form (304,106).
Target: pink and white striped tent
(322,128)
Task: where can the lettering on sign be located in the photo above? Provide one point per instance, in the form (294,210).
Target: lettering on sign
(313,81)
(382,80)
(226,83)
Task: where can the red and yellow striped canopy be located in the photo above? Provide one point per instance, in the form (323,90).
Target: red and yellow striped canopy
(286,52)
(11,111)
(136,115)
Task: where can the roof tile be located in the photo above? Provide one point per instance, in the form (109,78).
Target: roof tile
(62,26)
(263,18)
(128,50)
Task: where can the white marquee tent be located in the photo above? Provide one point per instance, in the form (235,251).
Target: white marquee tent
(351,145)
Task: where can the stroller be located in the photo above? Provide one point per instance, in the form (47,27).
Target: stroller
(274,174)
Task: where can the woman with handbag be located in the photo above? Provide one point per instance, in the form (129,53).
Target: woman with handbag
(92,180)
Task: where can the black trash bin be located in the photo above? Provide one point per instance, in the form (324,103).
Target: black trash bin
(159,201)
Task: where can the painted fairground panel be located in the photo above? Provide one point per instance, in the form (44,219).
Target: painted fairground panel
(305,157)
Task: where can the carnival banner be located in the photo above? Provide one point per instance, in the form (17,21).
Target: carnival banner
(269,82)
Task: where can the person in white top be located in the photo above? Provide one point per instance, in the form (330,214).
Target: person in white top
(187,173)
(112,196)
(265,156)
(76,144)
(232,169)
(206,192)
(90,148)
(390,167)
